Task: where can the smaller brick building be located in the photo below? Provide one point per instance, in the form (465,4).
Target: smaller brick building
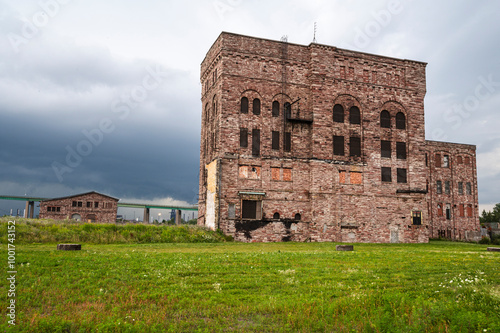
(88,207)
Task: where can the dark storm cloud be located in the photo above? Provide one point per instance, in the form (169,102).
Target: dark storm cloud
(91,58)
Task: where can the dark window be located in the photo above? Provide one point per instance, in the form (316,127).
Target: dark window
(80,204)
(385,119)
(416,217)
(256,106)
(401,175)
(448,211)
(243,137)
(276,140)
(447,187)
(255,142)
(288,142)
(251,209)
(460,188)
(338,113)
(385,148)
(468,189)
(288,110)
(58,209)
(400,120)
(74,204)
(48,209)
(446,161)
(386,174)
(297,217)
(96,204)
(426,161)
(276,109)
(244,105)
(89,204)
(439,187)
(354,115)
(355,146)
(338,146)
(276,216)
(401,150)
(438,160)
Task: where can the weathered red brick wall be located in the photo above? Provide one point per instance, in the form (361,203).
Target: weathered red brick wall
(339,198)
(105,212)
(463,222)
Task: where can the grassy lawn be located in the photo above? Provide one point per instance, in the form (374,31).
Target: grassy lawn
(273,287)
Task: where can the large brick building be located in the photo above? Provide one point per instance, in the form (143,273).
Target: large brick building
(323,144)
(88,207)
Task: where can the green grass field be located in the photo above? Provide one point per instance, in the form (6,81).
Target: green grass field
(272,287)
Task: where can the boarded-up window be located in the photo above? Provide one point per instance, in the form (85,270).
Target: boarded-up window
(275,173)
(459,160)
(244,105)
(439,187)
(460,188)
(231,211)
(288,142)
(276,109)
(385,119)
(251,209)
(342,176)
(467,160)
(356,178)
(468,189)
(438,160)
(461,210)
(243,137)
(355,146)
(401,150)
(338,113)
(287,175)
(255,142)
(385,148)
(440,209)
(400,120)
(354,115)
(256,106)
(338,145)
(250,172)
(469,210)
(386,174)
(275,140)
(401,175)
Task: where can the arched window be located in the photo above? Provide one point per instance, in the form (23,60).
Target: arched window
(244,105)
(400,120)
(338,113)
(276,216)
(288,110)
(256,106)
(297,217)
(385,119)
(354,115)
(276,109)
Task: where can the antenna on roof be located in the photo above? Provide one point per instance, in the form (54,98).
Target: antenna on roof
(314,38)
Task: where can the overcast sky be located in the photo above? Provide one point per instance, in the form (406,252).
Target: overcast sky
(105,95)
